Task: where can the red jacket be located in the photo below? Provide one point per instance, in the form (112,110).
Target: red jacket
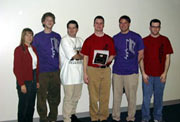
(23,65)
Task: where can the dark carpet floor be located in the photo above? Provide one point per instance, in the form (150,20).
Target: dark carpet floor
(171,113)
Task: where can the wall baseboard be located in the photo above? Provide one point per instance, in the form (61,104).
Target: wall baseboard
(123,109)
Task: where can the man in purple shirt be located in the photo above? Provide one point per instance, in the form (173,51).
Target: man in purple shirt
(129,51)
(47,45)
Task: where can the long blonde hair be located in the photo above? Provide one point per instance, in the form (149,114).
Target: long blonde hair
(24,32)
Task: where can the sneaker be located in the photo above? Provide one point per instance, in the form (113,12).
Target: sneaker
(104,121)
(74,118)
(113,120)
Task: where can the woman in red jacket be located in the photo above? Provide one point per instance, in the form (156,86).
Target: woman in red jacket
(26,66)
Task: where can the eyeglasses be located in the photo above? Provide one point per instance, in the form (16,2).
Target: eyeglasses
(155,26)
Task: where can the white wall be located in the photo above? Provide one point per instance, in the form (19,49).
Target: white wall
(18,14)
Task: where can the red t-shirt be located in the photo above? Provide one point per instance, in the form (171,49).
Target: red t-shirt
(155,52)
(93,43)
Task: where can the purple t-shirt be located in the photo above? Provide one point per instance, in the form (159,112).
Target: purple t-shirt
(127,47)
(47,46)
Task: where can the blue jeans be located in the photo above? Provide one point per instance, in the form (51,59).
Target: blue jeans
(155,87)
(27,101)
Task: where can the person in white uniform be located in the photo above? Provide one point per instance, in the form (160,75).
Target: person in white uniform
(71,65)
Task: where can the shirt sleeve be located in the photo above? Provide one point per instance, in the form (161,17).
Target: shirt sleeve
(111,48)
(168,49)
(59,39)
(18,69)
(81,41)
(86,48)
(67,48)
(140,43)
(35,42)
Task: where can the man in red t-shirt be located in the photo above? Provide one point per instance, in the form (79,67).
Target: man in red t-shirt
(98,51)
(154,68)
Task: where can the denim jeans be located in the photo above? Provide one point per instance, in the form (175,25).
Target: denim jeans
(27,101)
(156,88)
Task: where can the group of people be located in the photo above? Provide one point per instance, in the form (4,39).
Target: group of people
(45,61)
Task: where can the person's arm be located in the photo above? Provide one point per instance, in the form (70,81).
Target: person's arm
(77,56)
(110,60)
(67,48)
(37,68)
(35,42)
(18,69)
(140,55)
(112,52)
(167,64)
(85,64)
(144,75)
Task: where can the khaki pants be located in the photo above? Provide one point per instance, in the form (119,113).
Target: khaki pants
(49,90)
(130,83)
(72,94)
(99,91)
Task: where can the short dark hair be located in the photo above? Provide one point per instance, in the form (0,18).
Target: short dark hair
(98,17)
(47,14)
(127,18)
(155,21)
(73,22)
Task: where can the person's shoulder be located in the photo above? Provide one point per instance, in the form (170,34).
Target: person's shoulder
(18,49)
(39,34)
(89,40)
(55,33)
(65,39)
(116,35)
(80,39)
(134,34)
(108,36)
(90,37)
(164,37)
(146,37)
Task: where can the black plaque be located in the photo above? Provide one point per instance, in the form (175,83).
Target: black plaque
(100,58)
